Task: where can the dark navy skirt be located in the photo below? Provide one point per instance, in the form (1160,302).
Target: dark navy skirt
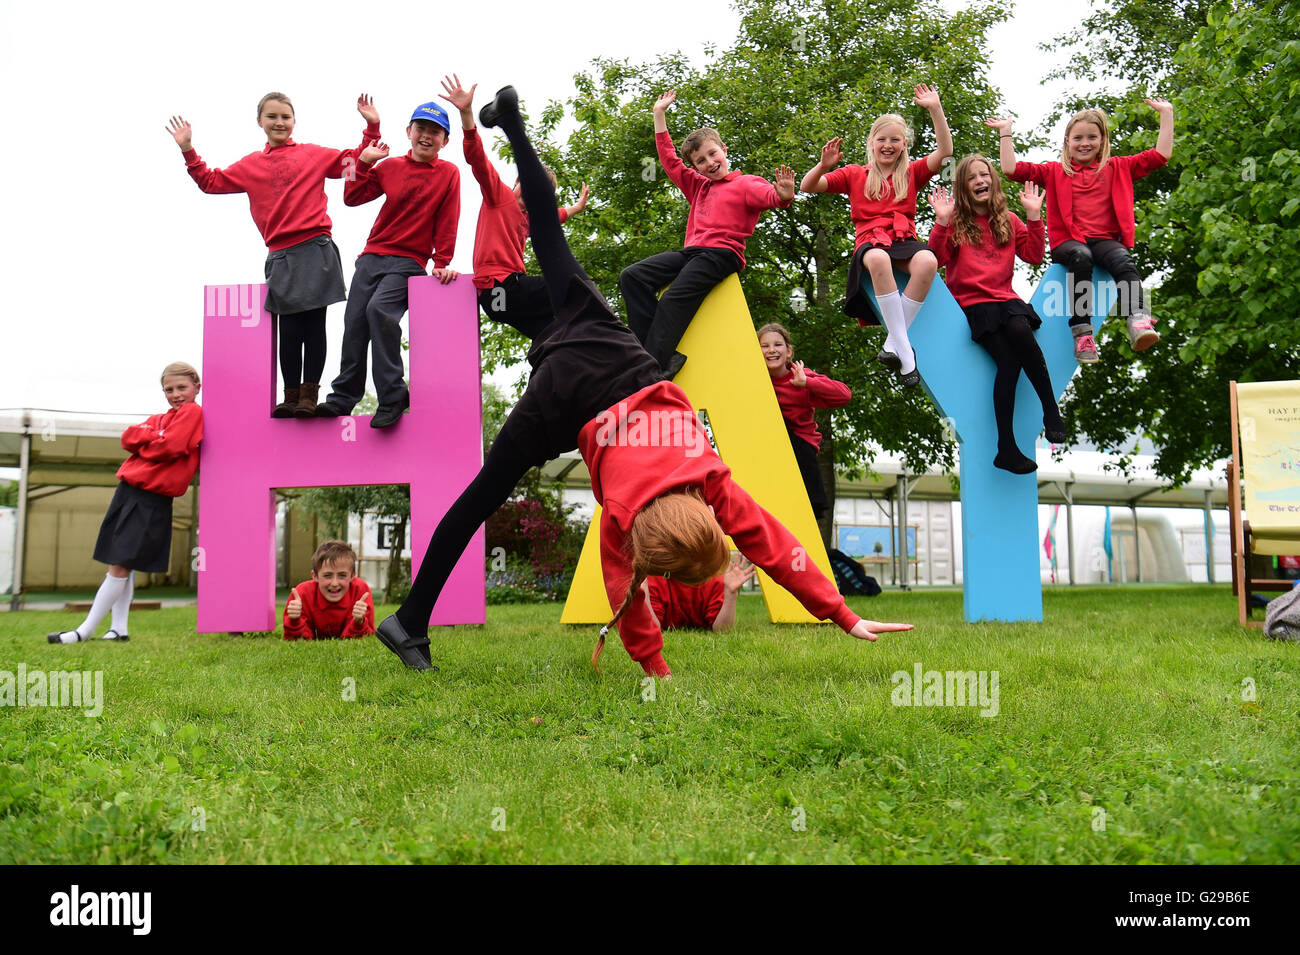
(137,531)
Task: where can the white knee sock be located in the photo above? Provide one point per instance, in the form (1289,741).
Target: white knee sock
(123,606)
(109,591)
(891,310)
(910,308)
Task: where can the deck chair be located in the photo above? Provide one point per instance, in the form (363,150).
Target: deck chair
(1264,478)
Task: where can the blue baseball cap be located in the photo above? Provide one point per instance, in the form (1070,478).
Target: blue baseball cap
(432,113)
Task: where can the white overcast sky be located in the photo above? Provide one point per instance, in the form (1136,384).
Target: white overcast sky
(107,243)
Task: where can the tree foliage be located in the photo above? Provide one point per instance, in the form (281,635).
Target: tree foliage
(1218,228)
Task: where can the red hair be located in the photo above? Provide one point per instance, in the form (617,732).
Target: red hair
(675,536)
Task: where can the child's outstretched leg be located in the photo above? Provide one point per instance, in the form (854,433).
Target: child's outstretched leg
(406,632)
(897,351)
(557,263)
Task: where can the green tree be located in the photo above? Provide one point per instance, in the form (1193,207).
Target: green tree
(1218,229)
(799,72)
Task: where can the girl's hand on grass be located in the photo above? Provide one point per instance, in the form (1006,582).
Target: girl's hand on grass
(870,629)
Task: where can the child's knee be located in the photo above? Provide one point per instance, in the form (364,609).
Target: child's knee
(924,265)
(1079,258)
(877,262)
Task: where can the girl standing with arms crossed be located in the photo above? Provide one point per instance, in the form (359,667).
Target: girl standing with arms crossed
(1090,215)
(285,183)
(977,239)
(882,205)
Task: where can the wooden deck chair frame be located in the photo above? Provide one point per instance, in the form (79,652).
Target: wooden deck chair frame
(1242,584)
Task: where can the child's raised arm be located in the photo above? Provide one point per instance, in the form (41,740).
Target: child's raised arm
(1165,141)
(580,205)
(181,132)
(461,98)
(1006,145)
(660,110)
(928,97)
(1029,240)
(366,107)
(832,155)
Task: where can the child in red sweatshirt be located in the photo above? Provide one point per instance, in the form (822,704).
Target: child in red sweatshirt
(709,606)
(977,239)
(1090,215)
(137,531)
(666,503)
(418,220)
(725,206)
(505,292)
(335,602)
(798,392)
(285,183)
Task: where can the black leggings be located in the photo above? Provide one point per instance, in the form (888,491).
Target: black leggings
(584,361)
(1013,348)
(302,347)
(1079,258)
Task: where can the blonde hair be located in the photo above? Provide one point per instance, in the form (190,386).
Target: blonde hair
(779,329)
(674,536)
(697,139)
(1097,118)
(180,368)
(875,178)
(965,230)
(270,96)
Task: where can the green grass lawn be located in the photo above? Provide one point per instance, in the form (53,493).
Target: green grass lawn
(1122,735)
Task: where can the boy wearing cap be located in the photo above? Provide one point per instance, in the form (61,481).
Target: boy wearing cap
(725,206)
(418,221)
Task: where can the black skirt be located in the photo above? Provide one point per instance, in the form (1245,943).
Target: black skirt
(137,531)
(987,317)
(856,303)
(303,277)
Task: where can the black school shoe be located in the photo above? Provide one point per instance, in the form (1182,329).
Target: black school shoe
(675,366)
(413,651)
(890,360)
(387,417)
(1015,463)
(117,637)
(54,637)
(327,410)
(506,101)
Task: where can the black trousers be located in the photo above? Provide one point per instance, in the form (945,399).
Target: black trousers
(659,322)
(520,301)
(377,301)
(1079,258)
(583,362)
(811,472)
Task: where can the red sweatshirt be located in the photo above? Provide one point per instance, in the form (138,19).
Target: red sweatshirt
(982,273)
(502,226)
(321,619)
(883,220)
(420,215)
(797,403)
(164,451)
(679,605)
(723,214)
(1061,223)
(285,186)
(626,476)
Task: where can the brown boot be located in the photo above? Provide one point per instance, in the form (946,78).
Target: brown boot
(307,394)
(285,408)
